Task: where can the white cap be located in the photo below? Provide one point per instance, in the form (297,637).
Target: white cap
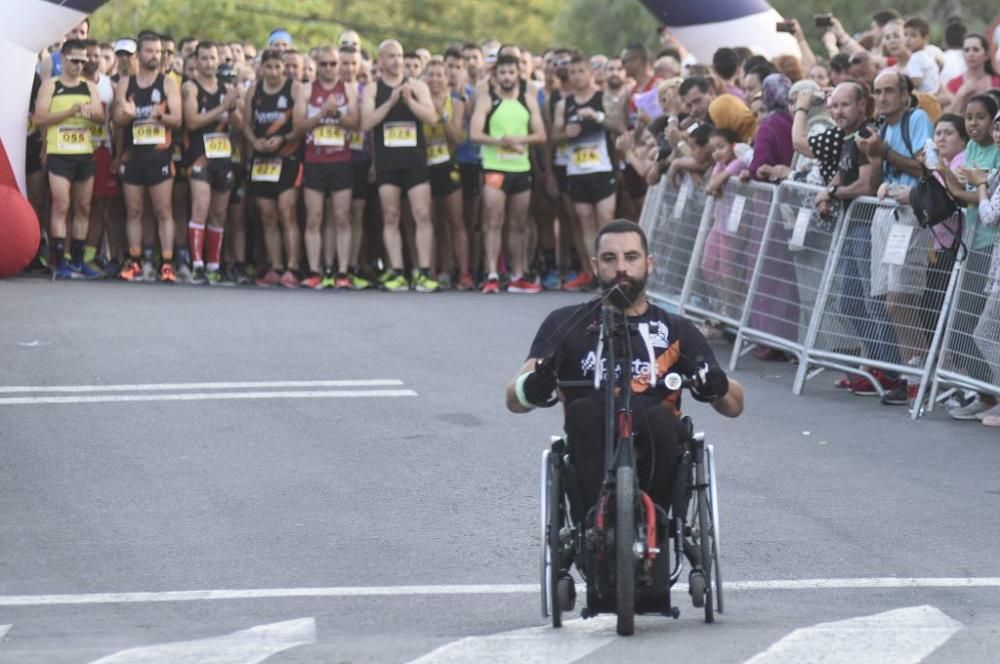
(125,44)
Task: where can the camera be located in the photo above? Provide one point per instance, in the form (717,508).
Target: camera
(663,148)
(823,20)
(785,26)
(226,74)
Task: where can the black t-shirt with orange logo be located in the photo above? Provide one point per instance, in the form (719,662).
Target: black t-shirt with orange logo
(572,335)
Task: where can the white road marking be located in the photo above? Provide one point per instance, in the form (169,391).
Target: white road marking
(4,629)
(163,387)
(248,646)
(207,396)
(541,645)
(481,589)
(900,636)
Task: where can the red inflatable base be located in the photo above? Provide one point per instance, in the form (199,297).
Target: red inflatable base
(19,232)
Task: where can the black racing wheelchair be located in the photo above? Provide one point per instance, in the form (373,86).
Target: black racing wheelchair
(622,546)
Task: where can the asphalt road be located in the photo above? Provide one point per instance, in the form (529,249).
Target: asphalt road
(435,489)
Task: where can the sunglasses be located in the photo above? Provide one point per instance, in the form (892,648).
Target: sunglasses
(328,63)
(77,61)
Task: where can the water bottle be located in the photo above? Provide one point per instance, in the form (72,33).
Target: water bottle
(930,154)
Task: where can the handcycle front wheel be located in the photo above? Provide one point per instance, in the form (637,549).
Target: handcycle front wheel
(624,549)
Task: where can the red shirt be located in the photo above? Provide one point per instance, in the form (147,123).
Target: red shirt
(328,142)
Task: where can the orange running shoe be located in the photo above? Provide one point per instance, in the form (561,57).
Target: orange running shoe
(167,274)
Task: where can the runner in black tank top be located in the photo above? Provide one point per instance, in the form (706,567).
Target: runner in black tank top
(148,107)
(275,171)
(394,109)
(209,110)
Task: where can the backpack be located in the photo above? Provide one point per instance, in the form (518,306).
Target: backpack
(931,201)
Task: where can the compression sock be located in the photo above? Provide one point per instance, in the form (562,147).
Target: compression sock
(196,243)
(57,251)
(213,247)
(76,251)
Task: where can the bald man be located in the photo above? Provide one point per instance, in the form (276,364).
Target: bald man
(394,109)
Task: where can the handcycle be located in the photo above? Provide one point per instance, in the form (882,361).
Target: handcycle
(616,545)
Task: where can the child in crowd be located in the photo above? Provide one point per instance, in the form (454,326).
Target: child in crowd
(722,259)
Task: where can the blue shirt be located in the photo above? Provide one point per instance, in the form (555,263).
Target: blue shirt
(920,130)
(466,152)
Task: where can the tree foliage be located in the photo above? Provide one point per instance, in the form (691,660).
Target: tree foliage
(429,23)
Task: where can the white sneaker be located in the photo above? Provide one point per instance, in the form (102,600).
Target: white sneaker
(148,271)
(995,410)
(969,412)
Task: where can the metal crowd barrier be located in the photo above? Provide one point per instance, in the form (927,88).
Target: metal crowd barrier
(857,291)
(725,252)
(675,222)
(970,349)
(788,274)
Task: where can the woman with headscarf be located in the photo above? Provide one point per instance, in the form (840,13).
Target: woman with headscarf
(775,305)
(730,112)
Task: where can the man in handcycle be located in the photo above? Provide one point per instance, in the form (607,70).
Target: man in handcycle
(564,357)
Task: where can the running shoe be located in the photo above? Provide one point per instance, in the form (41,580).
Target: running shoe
(184,273)
(968,413)
(898,395)
(581,282)
(131,271)
(444,281)
(86,271)
(197,276)
(328,281)
(424,284)
(552,280)
(313,281)
(524,285)
(289,279)
(343,282)
(148,271)
(466,282)
(271,278)
(167,274)
(396,284)
(214,278)
(243,275)
(358,282)
(63,272)
(492,285)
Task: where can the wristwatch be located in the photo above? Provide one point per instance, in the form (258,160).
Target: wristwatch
(600,117)
(832,190)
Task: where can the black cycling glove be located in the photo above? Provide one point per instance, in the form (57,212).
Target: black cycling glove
(709,383)
(539,386)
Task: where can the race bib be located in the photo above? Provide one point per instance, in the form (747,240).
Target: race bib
(149,132)
(357,140)
(98,135)
(266,170)
(506,154)
(438,153)
(400,135)
(328,136)
(218,146)
(587,156)
(74,140)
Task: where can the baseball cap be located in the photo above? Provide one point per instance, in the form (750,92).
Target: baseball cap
(125,44)
(279,35)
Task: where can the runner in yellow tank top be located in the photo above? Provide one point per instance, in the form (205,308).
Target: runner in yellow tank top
(66,108)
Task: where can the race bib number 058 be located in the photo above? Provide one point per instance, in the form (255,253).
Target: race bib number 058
(149,133)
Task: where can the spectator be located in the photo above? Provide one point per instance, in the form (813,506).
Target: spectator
(979,75)
(726,63)
(754,77)
(981,153)
(840,68)
(906,43)
(820,73)
(728,112)
(954,58)
(790,66)
(775,309)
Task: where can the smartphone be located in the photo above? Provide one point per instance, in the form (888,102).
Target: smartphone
(823,20)
(784,26)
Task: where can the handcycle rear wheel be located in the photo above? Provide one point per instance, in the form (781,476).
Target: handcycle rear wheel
(713,497)
(706,542)
(551,525)
(624,552)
